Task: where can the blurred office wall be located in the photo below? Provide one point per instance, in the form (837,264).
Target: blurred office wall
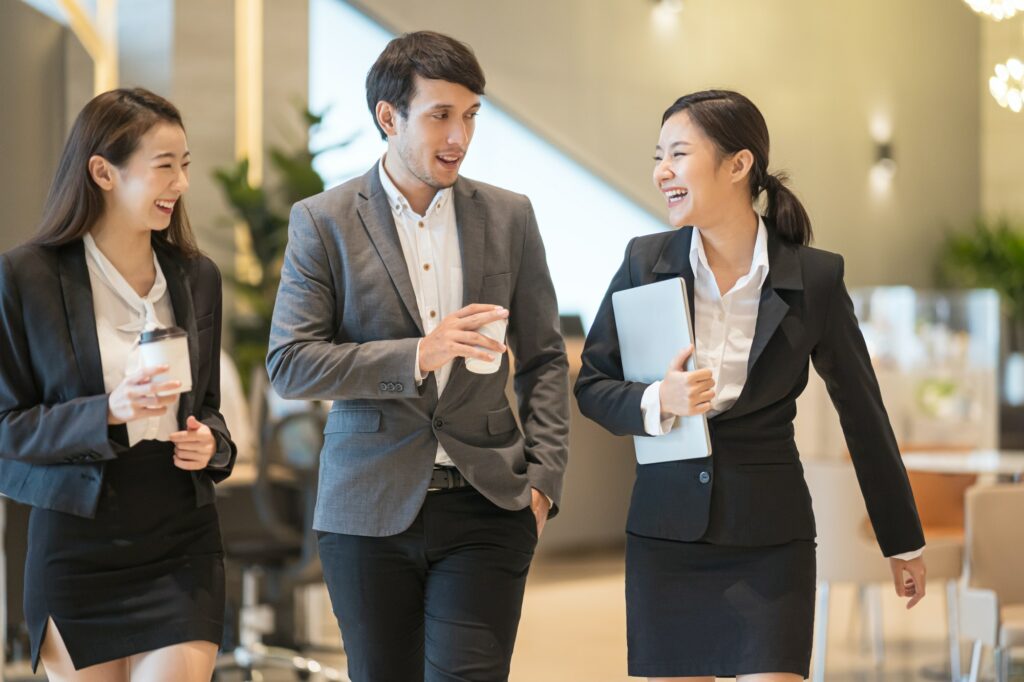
(594,77)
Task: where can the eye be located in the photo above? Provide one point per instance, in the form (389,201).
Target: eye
(657,158)
(441,116)
(166,165)
(473,115)
(679,154)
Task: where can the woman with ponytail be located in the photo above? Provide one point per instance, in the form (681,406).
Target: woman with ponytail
(720,553)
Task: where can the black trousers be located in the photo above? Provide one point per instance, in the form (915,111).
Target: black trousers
(439,602)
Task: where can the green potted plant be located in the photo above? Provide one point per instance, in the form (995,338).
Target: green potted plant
(263,211)
(991,255)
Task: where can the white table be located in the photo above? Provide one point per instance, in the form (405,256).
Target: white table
(1007,464)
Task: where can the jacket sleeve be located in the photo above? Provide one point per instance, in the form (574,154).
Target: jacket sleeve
(223,460)
(841,358)
(69,432)
(304,361)
(541,369)
(601,391)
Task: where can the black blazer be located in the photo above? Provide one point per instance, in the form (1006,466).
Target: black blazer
(751,491)
(54,437)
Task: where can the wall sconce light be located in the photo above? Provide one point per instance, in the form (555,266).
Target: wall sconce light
(884,168)
(669,6)
(665,16)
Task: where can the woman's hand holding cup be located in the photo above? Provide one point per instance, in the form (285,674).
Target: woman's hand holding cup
(684,393)
(136,397)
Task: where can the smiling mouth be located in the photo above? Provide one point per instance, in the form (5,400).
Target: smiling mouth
(675,196)
(166,205)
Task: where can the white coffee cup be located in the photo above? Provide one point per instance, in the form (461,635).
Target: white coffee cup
(492,330)
(167,346)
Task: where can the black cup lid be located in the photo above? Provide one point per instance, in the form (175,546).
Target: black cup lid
(161,334)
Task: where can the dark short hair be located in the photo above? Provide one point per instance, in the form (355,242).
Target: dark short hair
(426,54)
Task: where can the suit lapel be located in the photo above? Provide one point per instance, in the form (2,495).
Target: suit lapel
(674,261)
(469,220)
(380,226)
(180,289)
(81,316)
(784,273)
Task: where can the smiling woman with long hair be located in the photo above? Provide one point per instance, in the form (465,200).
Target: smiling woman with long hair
(720,550)
(124,574)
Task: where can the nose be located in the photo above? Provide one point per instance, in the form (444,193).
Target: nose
(181,182)
(663,171)
(458,134)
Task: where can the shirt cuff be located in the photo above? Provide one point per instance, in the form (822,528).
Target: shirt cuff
(907,556)
(416,368)
(650,410)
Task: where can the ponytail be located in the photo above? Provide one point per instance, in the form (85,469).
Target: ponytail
(785,212)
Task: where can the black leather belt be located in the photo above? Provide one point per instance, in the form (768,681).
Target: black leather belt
(446,478)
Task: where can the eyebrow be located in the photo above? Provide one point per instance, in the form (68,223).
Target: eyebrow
(171,155)
(674,144)
(437,107)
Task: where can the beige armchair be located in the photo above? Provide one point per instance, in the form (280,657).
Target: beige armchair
(992,598)
(848,554)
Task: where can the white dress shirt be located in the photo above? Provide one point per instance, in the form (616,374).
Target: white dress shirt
(724,327)
(430,244)
(121,315)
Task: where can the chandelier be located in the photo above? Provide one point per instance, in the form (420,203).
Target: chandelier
(997,9)
(1007,85)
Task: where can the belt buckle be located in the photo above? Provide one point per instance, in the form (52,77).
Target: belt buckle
(448,478)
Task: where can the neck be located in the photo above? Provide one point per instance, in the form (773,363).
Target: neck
(130,251)
(729,243)
(418,193)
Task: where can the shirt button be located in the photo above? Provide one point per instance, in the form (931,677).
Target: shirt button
(426,266)
(433,313)
(421,224)
(704,477)
(438,423)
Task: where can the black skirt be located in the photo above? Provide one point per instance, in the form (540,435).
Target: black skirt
(694,608)
(145,573)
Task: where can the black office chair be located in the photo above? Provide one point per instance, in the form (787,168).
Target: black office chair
(279,551)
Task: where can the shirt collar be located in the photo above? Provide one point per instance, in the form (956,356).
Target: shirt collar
(397,200)
(758,263)
(143,305)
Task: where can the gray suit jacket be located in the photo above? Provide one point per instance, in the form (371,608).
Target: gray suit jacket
(346,328)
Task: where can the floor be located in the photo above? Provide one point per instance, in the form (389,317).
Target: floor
(573,629)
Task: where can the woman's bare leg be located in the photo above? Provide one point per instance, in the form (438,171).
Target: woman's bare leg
(57,662)
(185,662)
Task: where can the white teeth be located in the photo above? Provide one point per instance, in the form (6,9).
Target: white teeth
(165,204)
(677,194)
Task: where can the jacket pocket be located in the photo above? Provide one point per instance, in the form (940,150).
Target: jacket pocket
(500,421)
(360,420)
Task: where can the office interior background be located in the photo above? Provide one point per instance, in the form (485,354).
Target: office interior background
(899,122)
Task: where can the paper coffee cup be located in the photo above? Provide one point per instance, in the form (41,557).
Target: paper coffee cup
(493,330)
(167,346)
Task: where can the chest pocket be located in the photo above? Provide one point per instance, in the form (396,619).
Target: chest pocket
(497,289)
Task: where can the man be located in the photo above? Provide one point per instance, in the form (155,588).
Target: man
(430,498)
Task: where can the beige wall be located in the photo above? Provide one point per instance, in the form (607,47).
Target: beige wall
(594,76)
(1002,131)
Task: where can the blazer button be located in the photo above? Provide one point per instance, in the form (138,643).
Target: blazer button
(382,386)
(438,423)
(391,386)
(704,477)
(399,387)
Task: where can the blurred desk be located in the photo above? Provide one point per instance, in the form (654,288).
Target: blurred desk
(1003,463)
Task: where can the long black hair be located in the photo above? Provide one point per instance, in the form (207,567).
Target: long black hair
(733,123)
(111,125)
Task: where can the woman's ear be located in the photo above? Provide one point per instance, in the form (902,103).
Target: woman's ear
(740,166)
(102,172)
